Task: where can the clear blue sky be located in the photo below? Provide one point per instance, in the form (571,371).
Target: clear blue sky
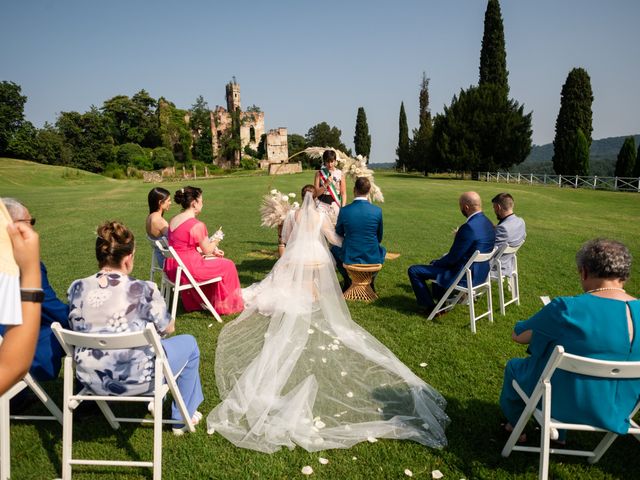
(304,62)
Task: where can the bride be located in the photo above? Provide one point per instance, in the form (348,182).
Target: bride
(295,369)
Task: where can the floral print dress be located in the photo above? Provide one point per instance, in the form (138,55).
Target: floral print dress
(110,302)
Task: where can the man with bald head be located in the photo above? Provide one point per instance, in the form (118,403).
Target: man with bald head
(477,233)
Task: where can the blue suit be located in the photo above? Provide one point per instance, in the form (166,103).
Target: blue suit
(477,233)
(360,223)
(48,357)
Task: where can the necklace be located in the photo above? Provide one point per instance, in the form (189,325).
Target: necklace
(602,289)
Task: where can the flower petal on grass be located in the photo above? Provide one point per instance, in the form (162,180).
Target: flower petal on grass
(408,472)
(423,364)
(307,470)
(436,474)
(323,461)
(372,439)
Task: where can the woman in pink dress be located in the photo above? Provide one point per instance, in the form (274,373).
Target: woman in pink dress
(190,239)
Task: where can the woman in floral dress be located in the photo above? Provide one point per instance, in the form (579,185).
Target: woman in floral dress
(111,301)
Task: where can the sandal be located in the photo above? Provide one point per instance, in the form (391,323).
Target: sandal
(507,428)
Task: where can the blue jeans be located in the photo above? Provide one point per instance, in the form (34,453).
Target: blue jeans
(419,275)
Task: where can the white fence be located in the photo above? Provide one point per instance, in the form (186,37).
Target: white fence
(626,184)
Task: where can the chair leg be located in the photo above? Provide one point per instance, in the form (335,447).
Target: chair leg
(490,302)
(44,398)
(5,436)
(472,310)
(545,433)
(67,420)
(516,287)
(157,437)
(501,293)
(602,447)
(174,303)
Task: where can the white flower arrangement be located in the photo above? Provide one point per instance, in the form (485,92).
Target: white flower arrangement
(353,167)
(275,206)
(217,237)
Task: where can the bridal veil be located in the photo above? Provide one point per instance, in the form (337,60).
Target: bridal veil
(295,369)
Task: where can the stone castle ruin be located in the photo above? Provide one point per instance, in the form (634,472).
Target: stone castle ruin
(248,127)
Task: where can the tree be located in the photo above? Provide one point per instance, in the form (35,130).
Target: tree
(362,139)
(493,55)
(133,120)
(481,131)
(174,131)
(626,163)
(200,123)
(403,151)
(11,112)
(581,153)
(324,135)
(636,168)
(423,134)
(88,138)
(575,113)
(23,142)
(132,155)
(51,147)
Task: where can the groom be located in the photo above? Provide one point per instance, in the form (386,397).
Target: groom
(360,223)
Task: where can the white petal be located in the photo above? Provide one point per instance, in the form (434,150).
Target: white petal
(343,374)
(350,394)
(311,330)
(354,458)
(372,439)
(307,470)
(320,424)
(323,461)
(436,474)
(408,472)
(324,360)
(423,364)
(210,325)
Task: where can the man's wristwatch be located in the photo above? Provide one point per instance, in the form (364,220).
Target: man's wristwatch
(35,295)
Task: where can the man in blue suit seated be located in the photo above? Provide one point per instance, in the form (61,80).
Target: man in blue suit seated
(477,233)
(360,223)
(48,358)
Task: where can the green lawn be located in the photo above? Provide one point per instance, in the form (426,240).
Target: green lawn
(419,215)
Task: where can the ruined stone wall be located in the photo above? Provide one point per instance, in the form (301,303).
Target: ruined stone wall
(248,121)
(276,145)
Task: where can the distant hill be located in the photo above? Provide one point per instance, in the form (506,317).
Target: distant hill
(603,157)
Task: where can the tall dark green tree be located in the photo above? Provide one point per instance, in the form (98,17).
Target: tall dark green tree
(23,143)
(403,151)
(636,169)
(481,131)
(200,123)
(362,139)
(11,112)
(324,135)
(626,163)
(133,120)
(493,55)
(88,138)
(581,153)
(575,113)
(423,134)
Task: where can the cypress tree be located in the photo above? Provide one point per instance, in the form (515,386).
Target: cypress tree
(493,55)
(362,139)
(581,154)
(422,136)
(625,166)
(575,113)
(636,169)
(403,151)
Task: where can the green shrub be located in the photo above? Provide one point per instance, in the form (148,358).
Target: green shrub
(132,154)
(162,157)
(248,163)
(114,170)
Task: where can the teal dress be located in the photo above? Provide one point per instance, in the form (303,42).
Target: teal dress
(588,326)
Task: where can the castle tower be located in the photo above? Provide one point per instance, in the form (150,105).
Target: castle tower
(233,96)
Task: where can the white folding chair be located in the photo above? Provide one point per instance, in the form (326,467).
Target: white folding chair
(147,337)
(5,416)
(471,290)
(513,279)
(560,360)
(177,287)
(155,267)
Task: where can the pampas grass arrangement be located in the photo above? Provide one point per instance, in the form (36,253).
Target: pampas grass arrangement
(274,208)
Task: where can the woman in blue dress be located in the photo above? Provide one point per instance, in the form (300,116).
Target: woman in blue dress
(601,323)
(111,301)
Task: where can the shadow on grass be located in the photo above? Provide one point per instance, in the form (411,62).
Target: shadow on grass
(253,270)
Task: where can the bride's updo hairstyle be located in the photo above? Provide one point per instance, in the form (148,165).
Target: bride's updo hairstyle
(114,242)
(185,196)
(307,189)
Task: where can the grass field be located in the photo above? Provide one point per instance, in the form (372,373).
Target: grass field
(419,216)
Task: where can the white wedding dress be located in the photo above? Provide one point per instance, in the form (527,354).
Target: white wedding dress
(295,369)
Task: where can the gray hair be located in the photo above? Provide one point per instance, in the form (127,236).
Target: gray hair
(14,207)
(605,258)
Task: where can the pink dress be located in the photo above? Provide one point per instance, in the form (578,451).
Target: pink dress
(226,295)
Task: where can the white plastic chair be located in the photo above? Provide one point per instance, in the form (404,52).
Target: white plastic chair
(513,279)
(154,261)
(177,287)
(147,337)
(448,300)
(560,360)
(5,416)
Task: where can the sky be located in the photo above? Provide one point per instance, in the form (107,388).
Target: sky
(304,62)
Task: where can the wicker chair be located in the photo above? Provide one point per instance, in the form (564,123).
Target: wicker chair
(361,277)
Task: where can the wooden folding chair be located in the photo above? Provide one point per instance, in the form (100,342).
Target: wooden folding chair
(560,360)
(455,292)
(177,286)
(164,382)
(513,279)
(5,416)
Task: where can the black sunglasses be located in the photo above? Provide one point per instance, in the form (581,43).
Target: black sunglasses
(31,220)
